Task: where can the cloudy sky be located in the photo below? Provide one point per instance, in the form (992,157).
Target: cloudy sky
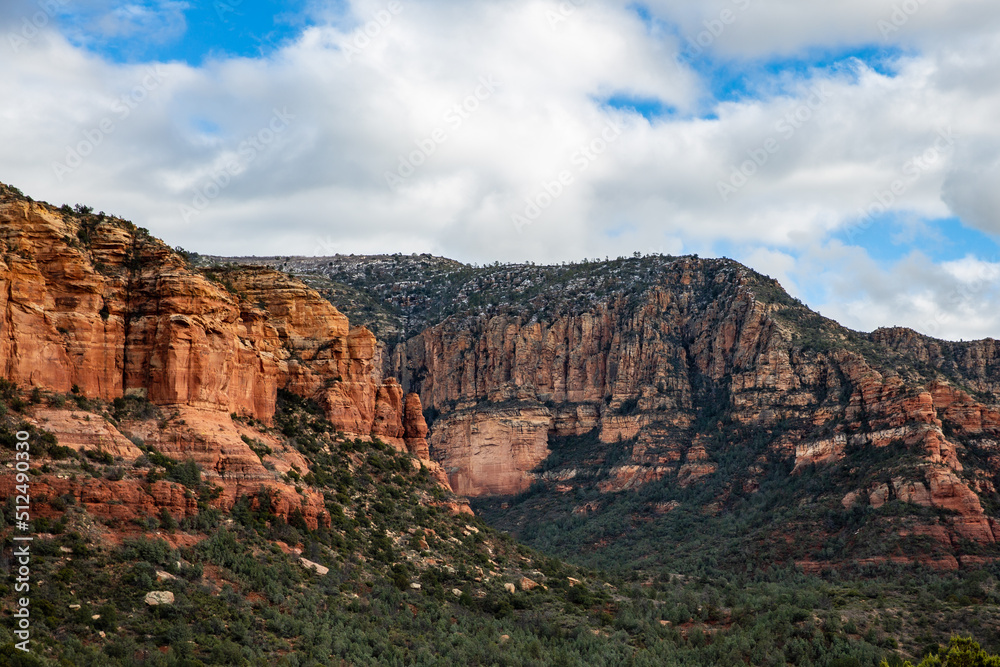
(849,149)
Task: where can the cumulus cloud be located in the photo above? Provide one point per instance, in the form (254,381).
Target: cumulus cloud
(484,130)
(949,300)
(765,27)
(972,191)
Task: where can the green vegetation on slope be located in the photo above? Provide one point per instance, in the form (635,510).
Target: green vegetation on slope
(398,296)
(742,545)
(408,582)
(960,652)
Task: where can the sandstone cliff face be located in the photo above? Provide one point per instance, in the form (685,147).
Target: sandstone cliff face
(97,306)
(122,313)
(706,358)
(321,356)
(624,369)
(492,453)
(62,337)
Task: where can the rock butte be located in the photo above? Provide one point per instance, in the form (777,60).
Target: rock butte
(124,314)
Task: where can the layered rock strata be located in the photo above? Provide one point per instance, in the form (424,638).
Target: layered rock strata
(706,358)
(95,306)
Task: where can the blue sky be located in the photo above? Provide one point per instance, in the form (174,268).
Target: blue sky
(732,79)
(186,30)
(537,130)
(893,236)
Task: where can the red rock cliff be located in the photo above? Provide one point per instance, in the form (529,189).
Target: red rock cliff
(97,306)
(708,352)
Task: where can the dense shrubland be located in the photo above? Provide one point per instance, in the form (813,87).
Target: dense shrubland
(408,582)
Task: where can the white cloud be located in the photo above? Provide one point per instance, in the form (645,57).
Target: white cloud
(647,185)
(772,263)
(764,27)
(951,300)
(972,190)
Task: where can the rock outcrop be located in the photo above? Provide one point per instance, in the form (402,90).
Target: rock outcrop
(492,451)
(623,369)
(710,356)
(96,306)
